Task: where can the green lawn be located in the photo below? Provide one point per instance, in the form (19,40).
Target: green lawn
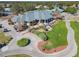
(19,55)
(57,36)
(75,26)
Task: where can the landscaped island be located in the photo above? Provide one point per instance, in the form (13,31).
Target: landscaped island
(75,26)
(23,42)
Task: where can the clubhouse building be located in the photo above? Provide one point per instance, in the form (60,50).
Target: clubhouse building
(31,18)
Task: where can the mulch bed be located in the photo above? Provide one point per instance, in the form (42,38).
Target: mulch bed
(40,46)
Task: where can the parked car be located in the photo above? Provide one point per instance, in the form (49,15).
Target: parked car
(0,25)
(2,45)
(6,30)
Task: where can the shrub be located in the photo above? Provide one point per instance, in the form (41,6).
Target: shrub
(43,36)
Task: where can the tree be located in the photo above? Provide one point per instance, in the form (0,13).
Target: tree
(3,38)
(10,21)
(71,10)
(17,8)
(22,7)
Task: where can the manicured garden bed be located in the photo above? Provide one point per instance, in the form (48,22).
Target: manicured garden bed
(23,42)
(75,26)
(57,36)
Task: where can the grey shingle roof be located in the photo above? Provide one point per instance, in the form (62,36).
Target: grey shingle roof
(37,14)
(33,15)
